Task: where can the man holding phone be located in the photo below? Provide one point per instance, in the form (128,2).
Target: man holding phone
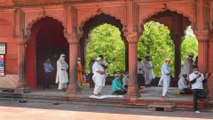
(197,79)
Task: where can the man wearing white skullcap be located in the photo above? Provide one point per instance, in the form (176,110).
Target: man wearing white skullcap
(99,76)
(188,65)
(166,77)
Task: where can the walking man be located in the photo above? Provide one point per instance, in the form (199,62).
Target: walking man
(166,76)
(197,79)
(99,76)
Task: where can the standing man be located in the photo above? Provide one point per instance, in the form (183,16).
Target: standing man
(140,71)
(62,75)
(166,76)
(91,82)
(80,72)
(197,79)
(188,65)
(99,76)
(48,71)
(148,69)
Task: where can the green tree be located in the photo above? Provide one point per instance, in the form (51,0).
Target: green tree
(106,40)
(156,42)
(189,44)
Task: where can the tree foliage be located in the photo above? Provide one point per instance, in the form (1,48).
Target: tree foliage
(156,42)
(106,40)
(189,44)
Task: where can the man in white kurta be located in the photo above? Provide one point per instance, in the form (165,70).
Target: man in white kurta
(62,75)
(183,85)
(166,76)
(140,71)
(148,69)
(99,76)
(188,66)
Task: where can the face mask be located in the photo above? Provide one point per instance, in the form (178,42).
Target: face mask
(196,72)
(62,58)
(78,62)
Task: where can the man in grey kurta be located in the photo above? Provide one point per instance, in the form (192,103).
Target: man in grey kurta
(188,65)
(148,69)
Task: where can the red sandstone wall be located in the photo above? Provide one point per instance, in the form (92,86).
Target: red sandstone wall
(6,35)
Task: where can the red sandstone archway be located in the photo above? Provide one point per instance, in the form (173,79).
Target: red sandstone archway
(96,21)
(47,41)
(177,23)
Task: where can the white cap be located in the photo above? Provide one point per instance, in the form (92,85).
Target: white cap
(146,55)
(78,58)
(98,58)
(191,54)
(62,54)
(168,59)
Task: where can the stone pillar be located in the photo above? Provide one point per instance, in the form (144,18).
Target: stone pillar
(202,37)
(177,61)
(132,93)
(73,54)
(22,83)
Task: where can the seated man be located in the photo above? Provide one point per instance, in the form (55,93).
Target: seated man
(117,87)
(183,85)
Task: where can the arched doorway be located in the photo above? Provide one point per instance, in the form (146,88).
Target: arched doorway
(47,41)
(95,22)
(176,23)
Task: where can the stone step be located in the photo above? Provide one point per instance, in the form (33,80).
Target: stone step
(162,107)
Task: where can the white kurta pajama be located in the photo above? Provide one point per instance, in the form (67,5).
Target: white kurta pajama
(166,78)
(62,75)
(149,74)
(99,79)
(182,84)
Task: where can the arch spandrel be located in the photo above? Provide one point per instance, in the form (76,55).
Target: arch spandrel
(35,17)
(85,14)
(151,10)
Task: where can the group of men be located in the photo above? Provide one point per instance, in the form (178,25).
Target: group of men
(191,80)
(145,72)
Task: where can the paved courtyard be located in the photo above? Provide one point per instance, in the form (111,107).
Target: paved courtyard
(152,93)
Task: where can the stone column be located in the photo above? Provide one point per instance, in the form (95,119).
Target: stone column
(202,37)
(73,54)
(132,93)
(22,83)
(177,61)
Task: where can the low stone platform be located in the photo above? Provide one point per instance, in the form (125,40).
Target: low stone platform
(162,107)
(149,96)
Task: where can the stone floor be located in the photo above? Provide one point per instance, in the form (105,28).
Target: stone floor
(152,93)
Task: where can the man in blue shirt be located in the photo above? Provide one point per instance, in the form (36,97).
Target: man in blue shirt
(117,87)
(48,70)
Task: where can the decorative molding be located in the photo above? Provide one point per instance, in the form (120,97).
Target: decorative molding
(30,25)
(202,35)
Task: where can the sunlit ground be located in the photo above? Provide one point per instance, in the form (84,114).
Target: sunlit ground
(13,110)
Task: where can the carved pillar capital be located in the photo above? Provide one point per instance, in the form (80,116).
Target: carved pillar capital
(72,38)
(132,37)
(202,35)
(22,40)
